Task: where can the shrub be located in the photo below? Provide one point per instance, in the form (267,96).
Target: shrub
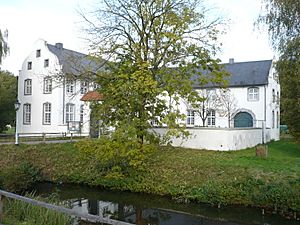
(19,177)
(118,155)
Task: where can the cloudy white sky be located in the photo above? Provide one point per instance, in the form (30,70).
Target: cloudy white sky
(58,21)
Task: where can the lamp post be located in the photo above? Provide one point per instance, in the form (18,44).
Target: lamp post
(17,107)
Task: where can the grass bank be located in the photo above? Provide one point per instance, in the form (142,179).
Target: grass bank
(218,178)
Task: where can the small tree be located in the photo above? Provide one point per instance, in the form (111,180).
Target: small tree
(208,103)
(226,104)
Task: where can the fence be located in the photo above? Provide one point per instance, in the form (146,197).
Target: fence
(39,136)
(70,212)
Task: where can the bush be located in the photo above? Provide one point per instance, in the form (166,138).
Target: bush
(117,155)
(19,177)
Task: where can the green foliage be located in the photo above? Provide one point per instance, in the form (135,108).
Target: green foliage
(282,19)
(19,177)
(160,51)
(18,212)
(119,155)
(288,67)
(218,178)
(3,45)
(8,93)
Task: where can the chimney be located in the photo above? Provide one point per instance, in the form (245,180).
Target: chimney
(59,46)
(231,60)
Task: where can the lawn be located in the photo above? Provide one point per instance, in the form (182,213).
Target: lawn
(219,178)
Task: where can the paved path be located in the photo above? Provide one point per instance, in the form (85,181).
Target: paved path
(40,142)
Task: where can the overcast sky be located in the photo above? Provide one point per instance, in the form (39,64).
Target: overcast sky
(57,21)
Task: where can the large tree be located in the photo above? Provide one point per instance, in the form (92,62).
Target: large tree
(282,18)
(157,51)
(8,94)
(3,45)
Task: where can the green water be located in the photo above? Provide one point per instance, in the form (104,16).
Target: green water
(144,209)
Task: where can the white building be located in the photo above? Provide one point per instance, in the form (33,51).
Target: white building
(49,101)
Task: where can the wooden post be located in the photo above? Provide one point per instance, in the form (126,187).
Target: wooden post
(1,207)
(44,137)
(71,136)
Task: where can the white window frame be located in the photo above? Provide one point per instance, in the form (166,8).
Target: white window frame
(190,117)
(70,112)
(27,114)
(47,85)
(81,113)
(253,94)
(70,86)
(27,87)
(84,87)
(211,118)
(47,113)
(273,119)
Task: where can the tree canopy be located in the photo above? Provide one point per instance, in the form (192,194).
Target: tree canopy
(8,94)
(282,18)
(3,45)
(156,51)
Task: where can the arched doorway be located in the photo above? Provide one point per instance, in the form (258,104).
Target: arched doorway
(243,119)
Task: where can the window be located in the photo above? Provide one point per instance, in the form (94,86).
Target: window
(211,118)
(277,119)
(70,112)
(29,65)
(253,94)
(70,86)
(47,85)
(273,119)
(84,86)
(26,114)
(46,62)
(47,113)
(38,53)
(190,119)
(95,86)
(81,113)
(273,96)
(27,87)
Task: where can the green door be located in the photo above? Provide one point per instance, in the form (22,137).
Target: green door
(243,119)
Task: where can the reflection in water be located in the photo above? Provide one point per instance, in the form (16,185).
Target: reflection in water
(144,209)
(140,216)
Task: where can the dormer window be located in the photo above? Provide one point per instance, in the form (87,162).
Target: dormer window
(38,53)
(253,94)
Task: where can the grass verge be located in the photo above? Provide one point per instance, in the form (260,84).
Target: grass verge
(218,178)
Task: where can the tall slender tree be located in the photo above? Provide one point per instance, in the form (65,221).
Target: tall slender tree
(282,18)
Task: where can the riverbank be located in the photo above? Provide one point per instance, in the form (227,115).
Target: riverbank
(218,178)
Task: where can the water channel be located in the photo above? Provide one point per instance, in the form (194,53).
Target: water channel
(144,209)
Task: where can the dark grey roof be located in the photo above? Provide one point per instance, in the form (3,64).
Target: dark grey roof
(253,73)
(73,62)
(248,73)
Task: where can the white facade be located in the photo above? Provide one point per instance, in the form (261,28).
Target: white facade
(45,101)
(48,101)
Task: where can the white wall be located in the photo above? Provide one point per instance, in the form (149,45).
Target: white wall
(58,97)
(222,139)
